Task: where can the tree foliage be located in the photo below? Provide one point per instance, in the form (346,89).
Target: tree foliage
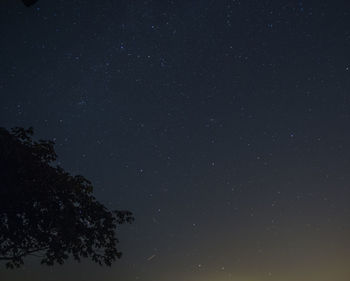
(45,211)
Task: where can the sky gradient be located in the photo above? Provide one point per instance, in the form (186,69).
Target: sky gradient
(222,125)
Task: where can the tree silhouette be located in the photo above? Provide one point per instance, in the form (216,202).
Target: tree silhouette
(45,211)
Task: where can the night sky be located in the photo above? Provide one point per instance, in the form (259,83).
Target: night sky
(222,125)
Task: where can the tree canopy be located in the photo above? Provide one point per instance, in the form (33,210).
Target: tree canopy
(45,211)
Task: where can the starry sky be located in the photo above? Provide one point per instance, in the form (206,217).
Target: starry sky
(222,124)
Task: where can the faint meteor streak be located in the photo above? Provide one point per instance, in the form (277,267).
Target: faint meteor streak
(151,257)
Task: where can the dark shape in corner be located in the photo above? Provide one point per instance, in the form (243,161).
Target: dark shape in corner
(29,3)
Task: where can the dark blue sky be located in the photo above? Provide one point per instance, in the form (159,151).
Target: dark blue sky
(223,125)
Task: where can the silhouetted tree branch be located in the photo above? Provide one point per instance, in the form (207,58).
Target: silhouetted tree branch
(45,210)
